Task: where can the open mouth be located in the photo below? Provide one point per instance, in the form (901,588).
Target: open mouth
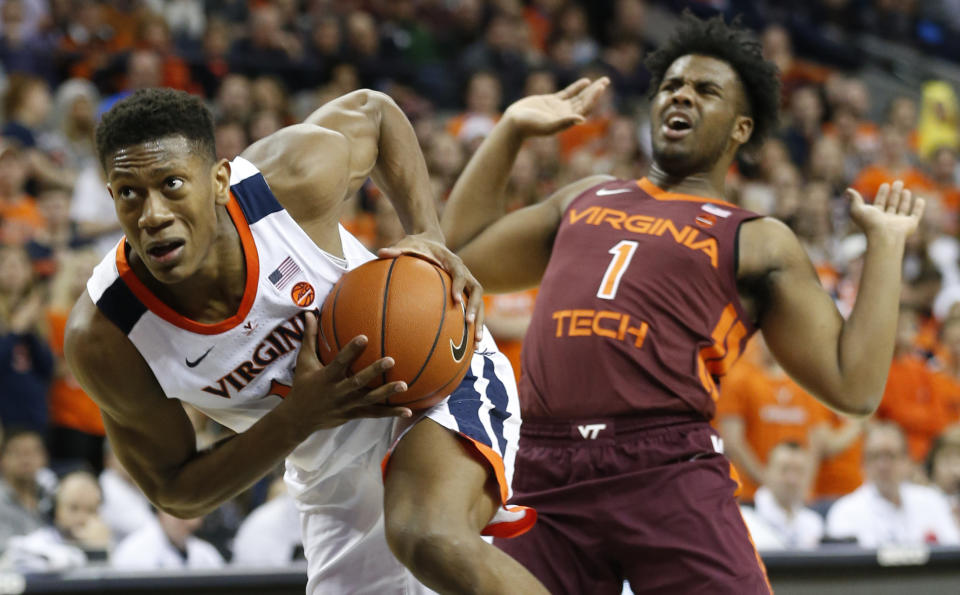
(165,251)
(677,126)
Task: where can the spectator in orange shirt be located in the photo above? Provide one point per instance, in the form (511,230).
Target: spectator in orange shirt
(18,210)
(942,167)
(902,115)
(77,430)
(483,108)
(946,383)
(760,407)
(839,442)
(909,399)
(893,164)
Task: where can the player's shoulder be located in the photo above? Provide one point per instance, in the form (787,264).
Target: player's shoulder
(767,244)
(95,349)
(563,197)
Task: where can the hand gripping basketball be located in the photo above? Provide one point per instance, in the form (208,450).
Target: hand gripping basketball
(328,396)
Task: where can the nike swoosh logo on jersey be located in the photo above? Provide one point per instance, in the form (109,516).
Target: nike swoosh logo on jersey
(459,350)
(194,363)
(605,191)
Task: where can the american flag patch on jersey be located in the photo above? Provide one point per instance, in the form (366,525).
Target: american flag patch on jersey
(287,270)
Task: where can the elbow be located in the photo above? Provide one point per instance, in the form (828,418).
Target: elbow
(856,405)
(180,505)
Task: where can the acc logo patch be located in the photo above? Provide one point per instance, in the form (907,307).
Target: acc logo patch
(706,220)
(302,294)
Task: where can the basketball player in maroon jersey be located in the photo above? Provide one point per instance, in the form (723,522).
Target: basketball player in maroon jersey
(649,290)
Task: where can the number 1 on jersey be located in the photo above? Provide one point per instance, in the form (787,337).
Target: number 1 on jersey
(622,254)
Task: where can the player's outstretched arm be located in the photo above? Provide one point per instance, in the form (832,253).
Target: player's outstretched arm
(312,167)
(155,441)
(842,362)
(477,199)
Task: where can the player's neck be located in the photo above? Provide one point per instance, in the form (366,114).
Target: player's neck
(214,292)
(706,184)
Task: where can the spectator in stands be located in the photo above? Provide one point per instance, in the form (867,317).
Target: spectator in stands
(760,407)
(943,467)
(946,383)
(887,509)
(902,115)
(25,502)
(894,163)
(909,399)
(233,100)
(270,535)
(939,118)
(91,208)
(942,166)
(500,52)
(483,108)
(806,120)
(166,543)
(76,428)
(26,363)
(22,47)
(144,70)
(267,47)
(231,139)
(779,501)
(840,446)
(125,509)
(18,210)
(76,537)
(70,144)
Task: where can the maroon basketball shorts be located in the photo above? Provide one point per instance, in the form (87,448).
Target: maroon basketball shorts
(650,502)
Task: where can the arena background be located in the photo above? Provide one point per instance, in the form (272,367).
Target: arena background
(869,94)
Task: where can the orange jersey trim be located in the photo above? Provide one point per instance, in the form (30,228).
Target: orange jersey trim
(503,530)
(660,194)
(763,567)
(167,313)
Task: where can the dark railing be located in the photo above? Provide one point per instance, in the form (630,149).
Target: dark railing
(830,570)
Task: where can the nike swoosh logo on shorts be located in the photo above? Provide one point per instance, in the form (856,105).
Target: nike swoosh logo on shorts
(459,350)
(194,363)
(604,191)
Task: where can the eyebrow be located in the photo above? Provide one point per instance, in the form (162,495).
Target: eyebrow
(697,82)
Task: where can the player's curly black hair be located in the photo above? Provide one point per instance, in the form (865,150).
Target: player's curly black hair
(151,114)
(739,48)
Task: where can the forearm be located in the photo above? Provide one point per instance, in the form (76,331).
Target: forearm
(867,338)
(478,198)
(220,473)
(400,170)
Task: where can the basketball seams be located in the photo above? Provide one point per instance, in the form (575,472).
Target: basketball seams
(436,337)
(383,315)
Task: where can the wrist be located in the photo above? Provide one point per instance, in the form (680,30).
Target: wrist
(290,423)
(509,127)
(884,238)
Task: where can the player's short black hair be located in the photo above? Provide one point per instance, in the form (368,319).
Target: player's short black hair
(739,48)
(151,114)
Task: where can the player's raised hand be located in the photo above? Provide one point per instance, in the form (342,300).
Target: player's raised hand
(894,211)
(463,279)
(545,114)
(328,396)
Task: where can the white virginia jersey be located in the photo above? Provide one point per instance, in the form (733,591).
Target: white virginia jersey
(236,370)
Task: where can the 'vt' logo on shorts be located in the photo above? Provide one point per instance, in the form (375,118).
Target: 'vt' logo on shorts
(591,431)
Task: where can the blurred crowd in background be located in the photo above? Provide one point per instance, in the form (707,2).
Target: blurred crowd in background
(809,476)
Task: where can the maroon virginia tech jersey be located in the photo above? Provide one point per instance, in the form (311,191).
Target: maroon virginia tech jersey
(638,310)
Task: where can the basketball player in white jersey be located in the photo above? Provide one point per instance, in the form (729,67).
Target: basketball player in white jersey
(208,299)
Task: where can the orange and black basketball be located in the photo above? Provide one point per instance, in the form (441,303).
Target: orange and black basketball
(405,308)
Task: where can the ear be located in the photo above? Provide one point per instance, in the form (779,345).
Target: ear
(742,129)
(221,180)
